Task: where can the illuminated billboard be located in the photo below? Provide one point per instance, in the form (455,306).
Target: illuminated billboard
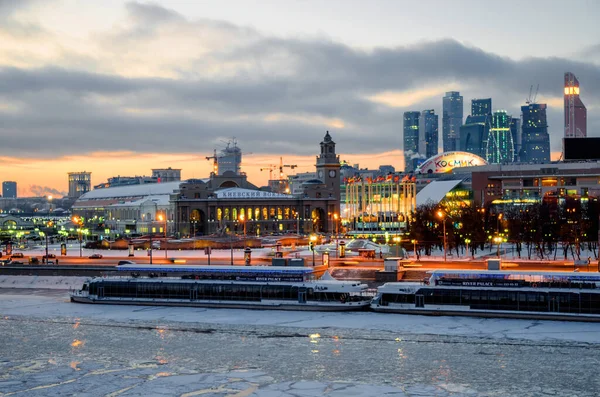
(446,162)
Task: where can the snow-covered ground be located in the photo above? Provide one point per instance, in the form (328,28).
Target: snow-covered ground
(507,253)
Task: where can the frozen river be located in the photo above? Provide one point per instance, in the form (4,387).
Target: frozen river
(51,347)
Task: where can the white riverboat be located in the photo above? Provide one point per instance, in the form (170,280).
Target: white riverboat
(244,287)
(543,295)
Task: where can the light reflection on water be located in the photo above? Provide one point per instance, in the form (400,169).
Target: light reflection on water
(122,356)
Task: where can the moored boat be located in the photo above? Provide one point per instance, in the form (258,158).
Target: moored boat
(540,295)
(245,287)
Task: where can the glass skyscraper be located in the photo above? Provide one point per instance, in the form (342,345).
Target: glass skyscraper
(452,118)
(535,146)
(411,140)
(474,133)
(428,133)
(500,145)
(515,131)
(575,111)
(481,107)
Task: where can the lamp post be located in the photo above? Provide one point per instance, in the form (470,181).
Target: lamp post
(467,241)
(161,218)
(79,222)
(397,241)
(313,240)
(337,240)
(415,248)
(243,220)
(440,215)
(498,240)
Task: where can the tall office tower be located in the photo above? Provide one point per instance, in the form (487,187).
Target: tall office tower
(500,146)
(9,189)
(535,146)
(481,107)
(515,131)
(428,133)
(474,133)
(575,111)
(452,118)
(79,183)
(411,140)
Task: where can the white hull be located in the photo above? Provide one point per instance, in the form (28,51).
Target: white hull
(263,305)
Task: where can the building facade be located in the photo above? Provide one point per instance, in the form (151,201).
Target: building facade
(428,133)
(474,134)
(519,184)
(411,140)
(481,107)
(163,175)
(500,145)
(575,111)
(452,119)
(535,147)
(79,183)
(9,189)
(515,131)
(229,203)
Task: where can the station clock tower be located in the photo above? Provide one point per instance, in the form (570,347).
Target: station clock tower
(328,168)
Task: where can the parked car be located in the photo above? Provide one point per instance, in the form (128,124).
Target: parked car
(50,256)
(33,260)
(126,263)
(95,256)
(17,255)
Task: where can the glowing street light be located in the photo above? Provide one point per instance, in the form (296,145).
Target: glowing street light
(441,215)
(161,218)
(79,222)
(313,240)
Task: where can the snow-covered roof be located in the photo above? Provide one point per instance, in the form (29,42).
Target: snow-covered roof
(148,189)
(436,191)
(236,192)
(162,200)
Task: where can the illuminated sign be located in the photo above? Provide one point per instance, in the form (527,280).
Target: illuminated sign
(446,162)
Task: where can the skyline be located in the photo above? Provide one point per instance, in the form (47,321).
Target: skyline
(82,89)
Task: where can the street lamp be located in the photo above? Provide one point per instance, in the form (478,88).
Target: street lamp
(498,241)
(313,240)
(79,222)
(397,241)
(243,221)
(441,215)
(467,241)
(161,218)
(337,240)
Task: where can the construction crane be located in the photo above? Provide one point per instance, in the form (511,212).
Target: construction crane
(281,166)
(531,99)
(270,168)
(214,158)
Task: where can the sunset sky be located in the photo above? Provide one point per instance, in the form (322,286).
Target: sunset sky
(119,88)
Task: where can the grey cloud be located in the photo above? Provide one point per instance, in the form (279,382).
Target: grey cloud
(64,110)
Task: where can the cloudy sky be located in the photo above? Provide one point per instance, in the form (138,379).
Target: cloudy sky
(118,88)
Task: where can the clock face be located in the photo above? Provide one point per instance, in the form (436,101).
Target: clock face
(320,173)
(332,173)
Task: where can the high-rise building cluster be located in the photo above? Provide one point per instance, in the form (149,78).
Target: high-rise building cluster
(492,134)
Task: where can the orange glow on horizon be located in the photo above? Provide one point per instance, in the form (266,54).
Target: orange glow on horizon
(52,173)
